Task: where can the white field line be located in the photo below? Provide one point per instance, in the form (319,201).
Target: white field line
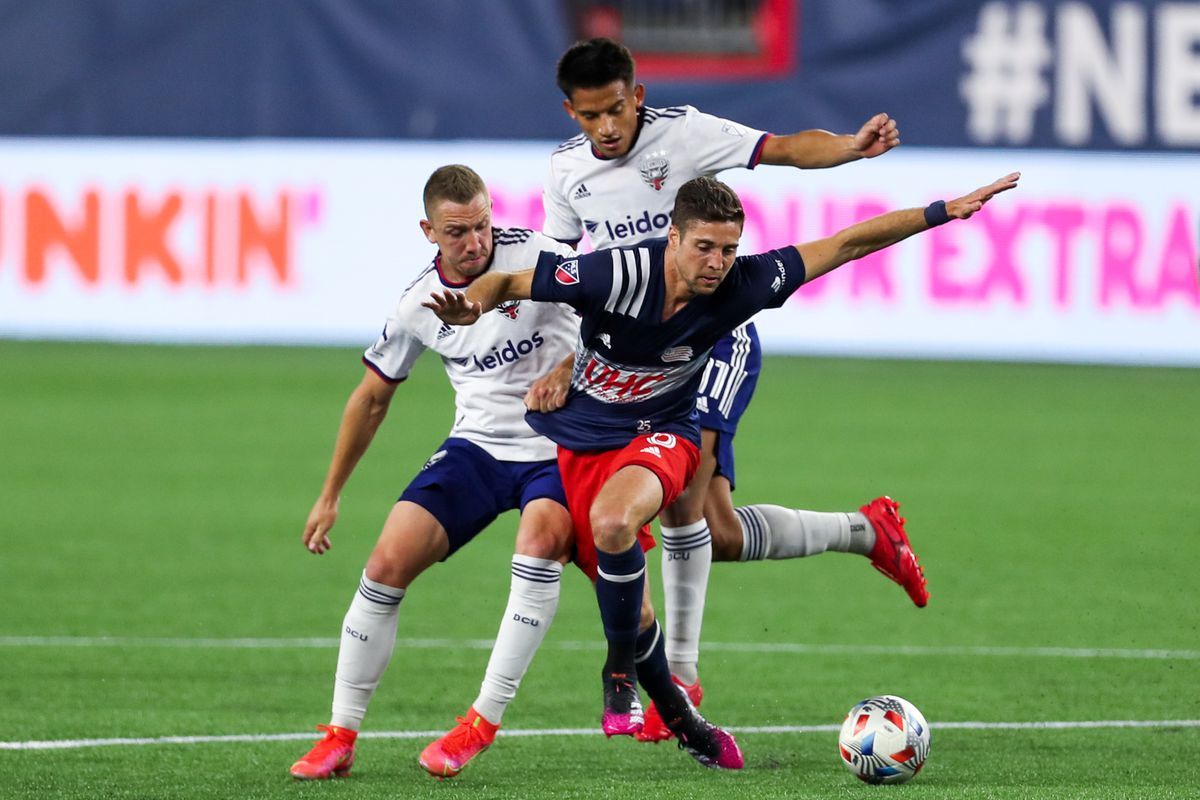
(262,643)
(71,744)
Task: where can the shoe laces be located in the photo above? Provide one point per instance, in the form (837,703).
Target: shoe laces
(464,735)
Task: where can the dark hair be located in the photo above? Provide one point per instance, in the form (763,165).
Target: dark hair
(455,183)
(706,200)
(592,64)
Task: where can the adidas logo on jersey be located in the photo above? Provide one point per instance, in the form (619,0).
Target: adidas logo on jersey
(444,331)
(581,192)
(591,225)
(654,451)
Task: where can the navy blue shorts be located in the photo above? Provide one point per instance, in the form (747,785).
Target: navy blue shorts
(465,489)
(726,388)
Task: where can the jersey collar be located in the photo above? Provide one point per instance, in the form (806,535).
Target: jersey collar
(449,284)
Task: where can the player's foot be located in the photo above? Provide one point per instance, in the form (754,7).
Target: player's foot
(892,554)
(653,729)
(332,757)
(446,757)
(705,742)
(622,706)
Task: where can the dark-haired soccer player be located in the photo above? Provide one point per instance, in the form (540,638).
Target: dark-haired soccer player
(617,180)
(628,441)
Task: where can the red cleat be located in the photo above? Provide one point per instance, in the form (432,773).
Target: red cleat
(332,757)
(892,554)
(653,728)
(446,757)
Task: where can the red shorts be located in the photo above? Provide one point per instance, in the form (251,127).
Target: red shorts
(672,459)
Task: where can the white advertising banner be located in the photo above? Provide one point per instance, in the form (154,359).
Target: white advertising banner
(1093,258)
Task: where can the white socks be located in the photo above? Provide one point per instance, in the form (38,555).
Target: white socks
(686,561)
(775,532)
(368,636)
(532,601)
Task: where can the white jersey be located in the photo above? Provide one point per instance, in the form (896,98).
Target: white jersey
(623,201)
(492,363)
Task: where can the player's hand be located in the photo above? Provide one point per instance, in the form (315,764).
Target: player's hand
(320,521)
(965,206)
(877,135)
(549,392)
(454,308)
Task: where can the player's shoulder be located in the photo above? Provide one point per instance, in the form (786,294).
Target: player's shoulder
(663,116)
(576,145)
(518,248)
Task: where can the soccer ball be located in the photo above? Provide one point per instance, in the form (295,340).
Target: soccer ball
(884,739)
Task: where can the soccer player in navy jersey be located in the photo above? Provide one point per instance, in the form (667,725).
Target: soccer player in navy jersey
(628,436)
(616,180)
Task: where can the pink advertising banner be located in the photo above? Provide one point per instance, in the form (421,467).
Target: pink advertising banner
(1093,258)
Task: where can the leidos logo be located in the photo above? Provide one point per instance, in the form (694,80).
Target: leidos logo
(510,352)
(181,237)
(644,227)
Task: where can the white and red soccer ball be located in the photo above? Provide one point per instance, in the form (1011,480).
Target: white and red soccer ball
(884,739)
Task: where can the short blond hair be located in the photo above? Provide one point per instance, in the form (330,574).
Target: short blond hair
(455,183)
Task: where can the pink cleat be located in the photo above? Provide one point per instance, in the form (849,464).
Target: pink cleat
(446,757)
(332,757)
(654,729)
(622,706)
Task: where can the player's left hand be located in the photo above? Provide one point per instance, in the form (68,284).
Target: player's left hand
(877,135)
(549,392)
(454,308)
(968,204)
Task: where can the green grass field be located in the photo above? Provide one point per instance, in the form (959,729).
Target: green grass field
(153,585)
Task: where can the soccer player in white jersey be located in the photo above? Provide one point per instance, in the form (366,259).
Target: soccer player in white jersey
(627,435)
(617,181)
(491,462)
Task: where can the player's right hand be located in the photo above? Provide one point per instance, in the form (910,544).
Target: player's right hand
(320,521)
(549,392)
(965,206)
(454,308)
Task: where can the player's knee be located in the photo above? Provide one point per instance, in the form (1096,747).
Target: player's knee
(384,567)
(544,543)
(613,529)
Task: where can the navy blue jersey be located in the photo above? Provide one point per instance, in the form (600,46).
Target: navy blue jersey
(634,372)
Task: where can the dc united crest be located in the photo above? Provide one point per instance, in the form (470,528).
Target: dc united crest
(510,308)
(654,170)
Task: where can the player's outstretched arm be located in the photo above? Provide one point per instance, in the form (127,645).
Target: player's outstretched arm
(485,293)
(365,410)
(816,149)
(826,255)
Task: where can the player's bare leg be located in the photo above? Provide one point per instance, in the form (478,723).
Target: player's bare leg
(411,541)
(543,545)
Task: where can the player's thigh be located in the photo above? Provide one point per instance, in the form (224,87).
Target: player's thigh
(627,501)
(412,540)
(689,506)
(545,530)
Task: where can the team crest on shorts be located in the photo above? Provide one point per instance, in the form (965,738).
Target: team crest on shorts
(510,308)
(654,169)
(568,272)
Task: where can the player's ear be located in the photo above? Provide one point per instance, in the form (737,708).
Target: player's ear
(639,94)
(427,229)
(570,109)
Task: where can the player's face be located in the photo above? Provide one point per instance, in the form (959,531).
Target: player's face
(463,232)
(608,116)
(704,252)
